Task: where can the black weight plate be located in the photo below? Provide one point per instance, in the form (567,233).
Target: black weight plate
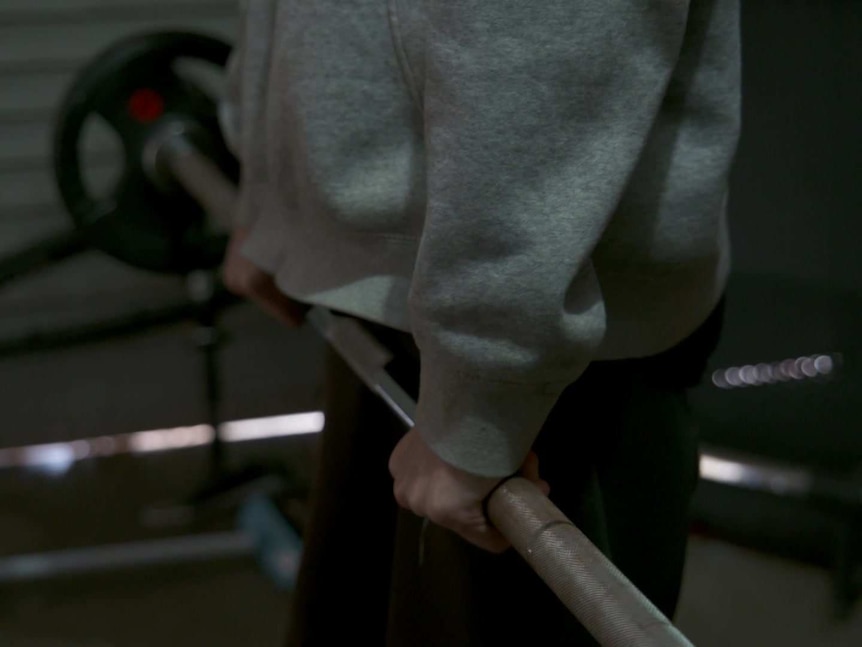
(133,87)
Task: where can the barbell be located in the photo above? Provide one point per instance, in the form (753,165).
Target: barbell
(169,211)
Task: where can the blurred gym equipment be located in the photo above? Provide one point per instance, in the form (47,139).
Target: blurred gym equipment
(129,88)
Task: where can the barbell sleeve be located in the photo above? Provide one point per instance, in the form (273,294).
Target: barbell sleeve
(201,178)
(611,608)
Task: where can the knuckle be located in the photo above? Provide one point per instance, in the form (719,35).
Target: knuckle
(439,514)
(234,283)
(400,496)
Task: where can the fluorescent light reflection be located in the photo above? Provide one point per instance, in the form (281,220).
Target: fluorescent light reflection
(53,459)
(166,439)
(755,476)
(279,426)
(57,458)
(720,470)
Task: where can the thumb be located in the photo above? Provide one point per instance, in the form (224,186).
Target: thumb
(530,467)
(530,471)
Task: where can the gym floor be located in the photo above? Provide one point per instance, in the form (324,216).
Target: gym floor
(732,595)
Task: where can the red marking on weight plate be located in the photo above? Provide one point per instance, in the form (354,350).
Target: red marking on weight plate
(146,105)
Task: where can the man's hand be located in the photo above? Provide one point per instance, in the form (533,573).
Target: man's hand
(245,279)
(431,488)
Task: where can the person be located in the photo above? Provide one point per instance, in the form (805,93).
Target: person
(527,203)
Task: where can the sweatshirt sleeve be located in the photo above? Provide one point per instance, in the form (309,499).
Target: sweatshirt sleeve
(535,116)
(242,109)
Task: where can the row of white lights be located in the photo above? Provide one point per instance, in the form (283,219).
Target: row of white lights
(788,370)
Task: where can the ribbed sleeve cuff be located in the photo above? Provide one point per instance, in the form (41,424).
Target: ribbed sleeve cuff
(483,427)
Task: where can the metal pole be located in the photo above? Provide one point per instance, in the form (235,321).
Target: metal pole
(612,609)
(95,559)
(174,154)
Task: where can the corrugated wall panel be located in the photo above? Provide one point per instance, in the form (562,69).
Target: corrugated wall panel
(60,43)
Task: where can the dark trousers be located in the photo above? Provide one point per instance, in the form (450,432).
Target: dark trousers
(619,451)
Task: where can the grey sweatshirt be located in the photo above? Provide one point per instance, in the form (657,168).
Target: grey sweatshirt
(525,187)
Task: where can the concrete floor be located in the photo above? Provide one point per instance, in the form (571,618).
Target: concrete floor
(213,605)
(734,596)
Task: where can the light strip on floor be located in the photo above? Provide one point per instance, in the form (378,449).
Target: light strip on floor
(758,476)
(276,427)
(159,440)
(57,458)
